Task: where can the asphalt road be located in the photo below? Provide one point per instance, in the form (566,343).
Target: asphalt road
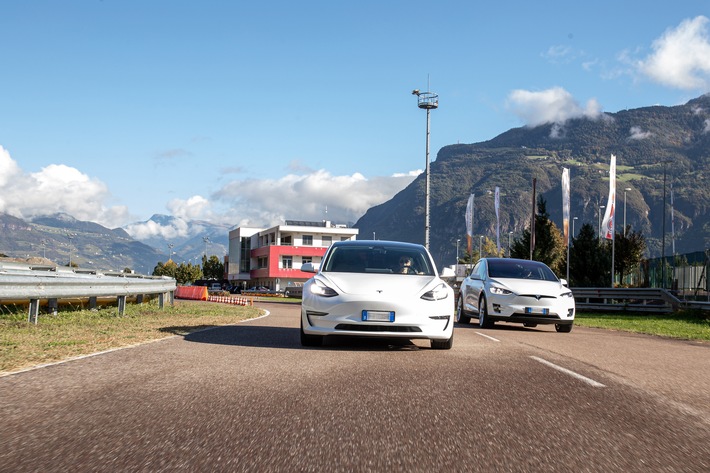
(249,398)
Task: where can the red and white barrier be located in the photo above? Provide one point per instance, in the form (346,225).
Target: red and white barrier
(231,300)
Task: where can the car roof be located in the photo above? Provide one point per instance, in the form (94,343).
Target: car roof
(390,243)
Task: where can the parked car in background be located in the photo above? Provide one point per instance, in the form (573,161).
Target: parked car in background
(515,290)
(377,289)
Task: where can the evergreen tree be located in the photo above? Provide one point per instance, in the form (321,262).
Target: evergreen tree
(628,252)
(212,268)
(168,269)
(589,259)
(549,248)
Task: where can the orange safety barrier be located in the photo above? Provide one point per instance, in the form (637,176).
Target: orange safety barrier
(197,293)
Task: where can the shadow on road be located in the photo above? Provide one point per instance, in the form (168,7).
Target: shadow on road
(283,337)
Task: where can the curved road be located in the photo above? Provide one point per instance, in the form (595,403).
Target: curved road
(249,398)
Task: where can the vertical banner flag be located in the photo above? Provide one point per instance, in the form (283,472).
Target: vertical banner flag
(497,195)
(608,222)
(469,223)
(565,203)
(532,220)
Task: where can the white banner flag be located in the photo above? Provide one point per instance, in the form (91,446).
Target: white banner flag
(608,222)
(469,216)
(565,203)
(498,218)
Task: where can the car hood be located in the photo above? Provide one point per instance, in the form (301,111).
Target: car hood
(530,286)
(387,284)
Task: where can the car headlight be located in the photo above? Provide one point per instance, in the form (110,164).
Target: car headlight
(438,293)
(320,289)
(500,291)
(566,294)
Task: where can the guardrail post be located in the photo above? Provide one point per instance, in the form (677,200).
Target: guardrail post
(121,305)
(53,305)
(34,311)
(92,302)
(161,300)
(172,298)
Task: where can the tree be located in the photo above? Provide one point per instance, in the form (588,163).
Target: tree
(589,259)
(212,268)
(168,269)
(628,252)
(188,273)
(549,242)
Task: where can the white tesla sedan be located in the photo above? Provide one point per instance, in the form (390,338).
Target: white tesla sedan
(377,289)
(515,290)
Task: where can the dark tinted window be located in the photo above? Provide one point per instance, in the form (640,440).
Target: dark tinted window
(517,269)
(377,259)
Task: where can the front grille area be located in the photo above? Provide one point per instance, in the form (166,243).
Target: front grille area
(377,328)
(535,296)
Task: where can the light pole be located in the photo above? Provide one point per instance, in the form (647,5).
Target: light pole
(458,240)
(480,246)
(599,221)
(625,190)
(170,251)
(427,101)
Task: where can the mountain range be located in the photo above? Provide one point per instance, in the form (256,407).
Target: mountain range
(654,146)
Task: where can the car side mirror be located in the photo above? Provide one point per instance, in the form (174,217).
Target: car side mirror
(309,268)
(564,282)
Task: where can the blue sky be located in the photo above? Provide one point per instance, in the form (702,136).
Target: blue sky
(247,113)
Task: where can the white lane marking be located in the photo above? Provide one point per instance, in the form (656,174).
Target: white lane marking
(584,379)
(487,336)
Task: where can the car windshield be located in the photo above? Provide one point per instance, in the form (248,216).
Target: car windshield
(378,259)
(516,269)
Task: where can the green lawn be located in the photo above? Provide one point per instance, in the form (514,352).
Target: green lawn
(683,325)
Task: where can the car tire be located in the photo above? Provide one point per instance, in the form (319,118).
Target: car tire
(461,316)
(483,320)
(310,340)
(563,328)
(443,344)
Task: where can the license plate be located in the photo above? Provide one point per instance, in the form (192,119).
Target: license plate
(545,311)
(377,316)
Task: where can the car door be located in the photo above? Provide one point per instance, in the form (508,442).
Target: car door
(478,280)
(470,289)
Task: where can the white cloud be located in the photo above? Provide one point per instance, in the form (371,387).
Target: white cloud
(554,105)
(306,197)
(178,228)
(681,56)
(55,188)
(636,133)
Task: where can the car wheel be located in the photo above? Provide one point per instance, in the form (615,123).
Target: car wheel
(310,340)
(566,328)
(461,317)
(483,320)
(443,344)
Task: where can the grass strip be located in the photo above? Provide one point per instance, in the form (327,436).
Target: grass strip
(686,325)
(82,332)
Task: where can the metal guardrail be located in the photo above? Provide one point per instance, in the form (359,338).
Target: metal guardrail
(23,282)
(632,300)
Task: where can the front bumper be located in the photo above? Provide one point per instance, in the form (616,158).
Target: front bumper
(423,319)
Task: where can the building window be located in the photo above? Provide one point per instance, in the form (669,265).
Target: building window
(327,240)
(306,259)
(344,238)
(287,262)
(263,262)
(287,240)
(307,240)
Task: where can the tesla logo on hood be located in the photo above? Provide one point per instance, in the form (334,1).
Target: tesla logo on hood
(537,296)
(379,291)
